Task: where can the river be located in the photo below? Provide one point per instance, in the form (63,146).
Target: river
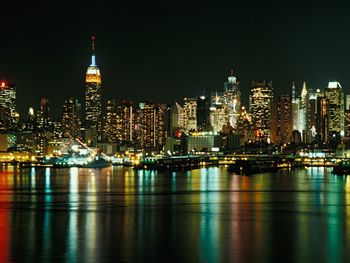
(204,215)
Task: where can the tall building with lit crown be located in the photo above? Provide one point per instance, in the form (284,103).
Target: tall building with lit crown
(93,104)
(71,120)
(260,106)
(335,98)
(218,113)
(303,110)
(8,114)
(232,99)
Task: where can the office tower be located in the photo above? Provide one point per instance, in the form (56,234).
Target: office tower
(232,99)
(8,114)
(244,124)
(347,102)
(43,115)
(260,103)
(110,122)
(283,120)
(347,124)
(335,97)
(322,116)
(31,125)
(188,115)
(303,111)
(127,113)
(71,118)
(93,105)
(218,114)
(312,113)
(203,114)
(295,109)
(58,131)
(152,122)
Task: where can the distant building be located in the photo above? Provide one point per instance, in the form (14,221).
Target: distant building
(203,114)
(187,115)
(283,120)
(218,113)
(204,142)
(43,115)
(71,118)
(260,105)
(232,99)
(110,122)
(8,114)
(153,125)
(335,98)
(93,96)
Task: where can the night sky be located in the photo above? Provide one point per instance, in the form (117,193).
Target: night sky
(163,52)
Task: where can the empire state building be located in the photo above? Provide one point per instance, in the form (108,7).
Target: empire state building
(93,107)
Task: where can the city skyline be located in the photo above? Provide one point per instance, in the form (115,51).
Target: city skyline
(163,52)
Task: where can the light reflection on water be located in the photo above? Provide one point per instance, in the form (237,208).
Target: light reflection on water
(208,215)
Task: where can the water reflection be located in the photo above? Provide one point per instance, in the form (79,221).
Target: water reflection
(201,215)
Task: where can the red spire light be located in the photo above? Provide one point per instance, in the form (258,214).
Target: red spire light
(3,84)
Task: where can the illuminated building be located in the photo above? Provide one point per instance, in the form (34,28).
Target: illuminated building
(312,114)
(93,106)
(203,114)
(244,125)
(283,120)
(110,122)
(347,124)
(295,109)
(204,142)
(232,99)
(43,114)
(71,120)
(58,131)
(8,114)
(187,115)
(335,98)
(31,120)
(225,106)
(153,125)
(322,116)
(128,122)
(260,103)
(218,114)
(303,110)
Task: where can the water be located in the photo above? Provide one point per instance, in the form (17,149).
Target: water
(204,215)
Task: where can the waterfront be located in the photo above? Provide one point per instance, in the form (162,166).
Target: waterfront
(207,215)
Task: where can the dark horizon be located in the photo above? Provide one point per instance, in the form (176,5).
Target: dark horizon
(164,52)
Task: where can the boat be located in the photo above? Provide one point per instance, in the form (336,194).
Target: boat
(343,168)
(256,165)
(169,163)
(76,154)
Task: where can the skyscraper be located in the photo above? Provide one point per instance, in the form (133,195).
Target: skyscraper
(8,115)
(335,97)
(43,114)
(71,120)
(260,103)
(152,121)
(93,105)
(188,114)
(283,119)
(110,122)
(203,121)
(232,99)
